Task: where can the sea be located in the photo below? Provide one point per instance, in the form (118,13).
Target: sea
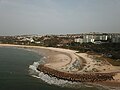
(18,72)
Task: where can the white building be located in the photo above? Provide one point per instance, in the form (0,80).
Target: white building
(79,40)
(94,37)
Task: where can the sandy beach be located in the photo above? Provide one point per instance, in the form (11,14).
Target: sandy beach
(66,60)
(57,58)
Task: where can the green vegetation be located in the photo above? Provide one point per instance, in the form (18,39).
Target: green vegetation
(110,51)
(107,50)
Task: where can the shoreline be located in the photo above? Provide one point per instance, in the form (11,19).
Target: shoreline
(64,64)
(57,58)
(88,77)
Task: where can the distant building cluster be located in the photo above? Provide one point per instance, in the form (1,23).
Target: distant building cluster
(62,40)
(98,38)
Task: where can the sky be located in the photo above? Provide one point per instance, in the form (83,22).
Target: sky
(59,16)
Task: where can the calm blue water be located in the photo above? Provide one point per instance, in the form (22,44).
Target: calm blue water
(14,71)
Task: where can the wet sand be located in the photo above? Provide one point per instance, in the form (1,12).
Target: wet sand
(68,61)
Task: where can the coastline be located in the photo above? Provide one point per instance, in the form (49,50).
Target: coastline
(64,64)
(57,58)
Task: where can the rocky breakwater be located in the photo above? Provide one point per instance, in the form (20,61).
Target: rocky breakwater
(83,77)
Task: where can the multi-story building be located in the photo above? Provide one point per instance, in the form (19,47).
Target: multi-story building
(115,37)
(99,37)
(78,40)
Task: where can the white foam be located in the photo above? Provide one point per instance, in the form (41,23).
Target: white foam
(35,76)
(35,64)
(46,78)
(53,80)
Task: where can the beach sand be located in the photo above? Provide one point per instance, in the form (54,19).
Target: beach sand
(68,60)
(57,58)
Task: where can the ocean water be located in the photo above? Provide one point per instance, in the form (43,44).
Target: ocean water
(15,73)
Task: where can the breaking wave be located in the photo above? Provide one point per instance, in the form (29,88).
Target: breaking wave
(48,79)
(53,80)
